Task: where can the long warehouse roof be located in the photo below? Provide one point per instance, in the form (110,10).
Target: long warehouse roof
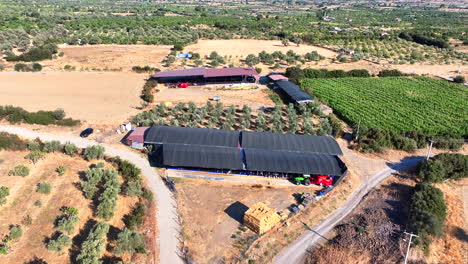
(292,162)
(290,142)
(294,91)
(178,155)
(192,136)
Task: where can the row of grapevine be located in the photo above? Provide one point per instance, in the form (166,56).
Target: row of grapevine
(398,104)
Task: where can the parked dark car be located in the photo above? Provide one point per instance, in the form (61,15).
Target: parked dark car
(86,132)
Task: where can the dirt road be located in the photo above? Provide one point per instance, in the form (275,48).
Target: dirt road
(167,216)
(296,252)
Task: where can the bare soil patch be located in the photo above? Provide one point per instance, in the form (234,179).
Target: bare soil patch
(95,97)
(212,213)
(64,192)
(244,47)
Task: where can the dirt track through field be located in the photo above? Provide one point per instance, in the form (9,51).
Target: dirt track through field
(168,225)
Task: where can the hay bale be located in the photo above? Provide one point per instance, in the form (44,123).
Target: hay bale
(260,218)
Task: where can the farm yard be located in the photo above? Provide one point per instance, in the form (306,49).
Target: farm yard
(216,209)
(49,203)
(256,98)
(398,104)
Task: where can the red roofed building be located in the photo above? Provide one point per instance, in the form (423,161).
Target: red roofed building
(136,138)
(206,76)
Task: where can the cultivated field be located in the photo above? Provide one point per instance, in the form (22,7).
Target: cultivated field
(94,97)
(401,104)
(43,209)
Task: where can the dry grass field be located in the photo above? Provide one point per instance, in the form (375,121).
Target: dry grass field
(212,212)
(23,198)
(88,58)
(244,47)
(94,97)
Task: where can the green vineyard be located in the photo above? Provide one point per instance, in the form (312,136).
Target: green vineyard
(398,104)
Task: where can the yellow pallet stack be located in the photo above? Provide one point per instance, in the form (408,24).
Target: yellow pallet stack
(260,218)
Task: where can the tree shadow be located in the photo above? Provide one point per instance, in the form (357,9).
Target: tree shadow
(460,234)
(36,260)
(78,240)
(111,260)
(405,163)
(236,211)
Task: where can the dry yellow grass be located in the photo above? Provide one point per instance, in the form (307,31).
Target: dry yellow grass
(95,97)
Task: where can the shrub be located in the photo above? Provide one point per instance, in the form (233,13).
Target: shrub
(444,166)
(66,223)
(129,242)
(94,152)
(128,170)
(133,188)
(459,79)
(15,232)
(147,194)
(92,246)
(44,188)
(258,70)
(295,74)
(34,145)
(58,114)
(35,67)
(61,170)
(108,198)
(11,142)
(44,52)
(21,67)
(70,149)
(146,93)
(427,213)
(4,192)
(178,47)
(35,156)
(69,210)
(52,146)
(135,218)
(391,73)
(60,243)
(20,170)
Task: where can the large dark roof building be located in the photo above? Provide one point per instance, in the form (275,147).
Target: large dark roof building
(242,151)
(294,93)
(204,75)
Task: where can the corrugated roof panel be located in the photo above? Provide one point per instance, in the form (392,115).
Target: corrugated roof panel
(290,142)
(230,72)
(180,73)
(292,162)
(294,91)
(192,136)
(210,157)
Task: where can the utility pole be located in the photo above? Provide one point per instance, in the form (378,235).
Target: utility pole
(357,132)
(430,149)
(409,244)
